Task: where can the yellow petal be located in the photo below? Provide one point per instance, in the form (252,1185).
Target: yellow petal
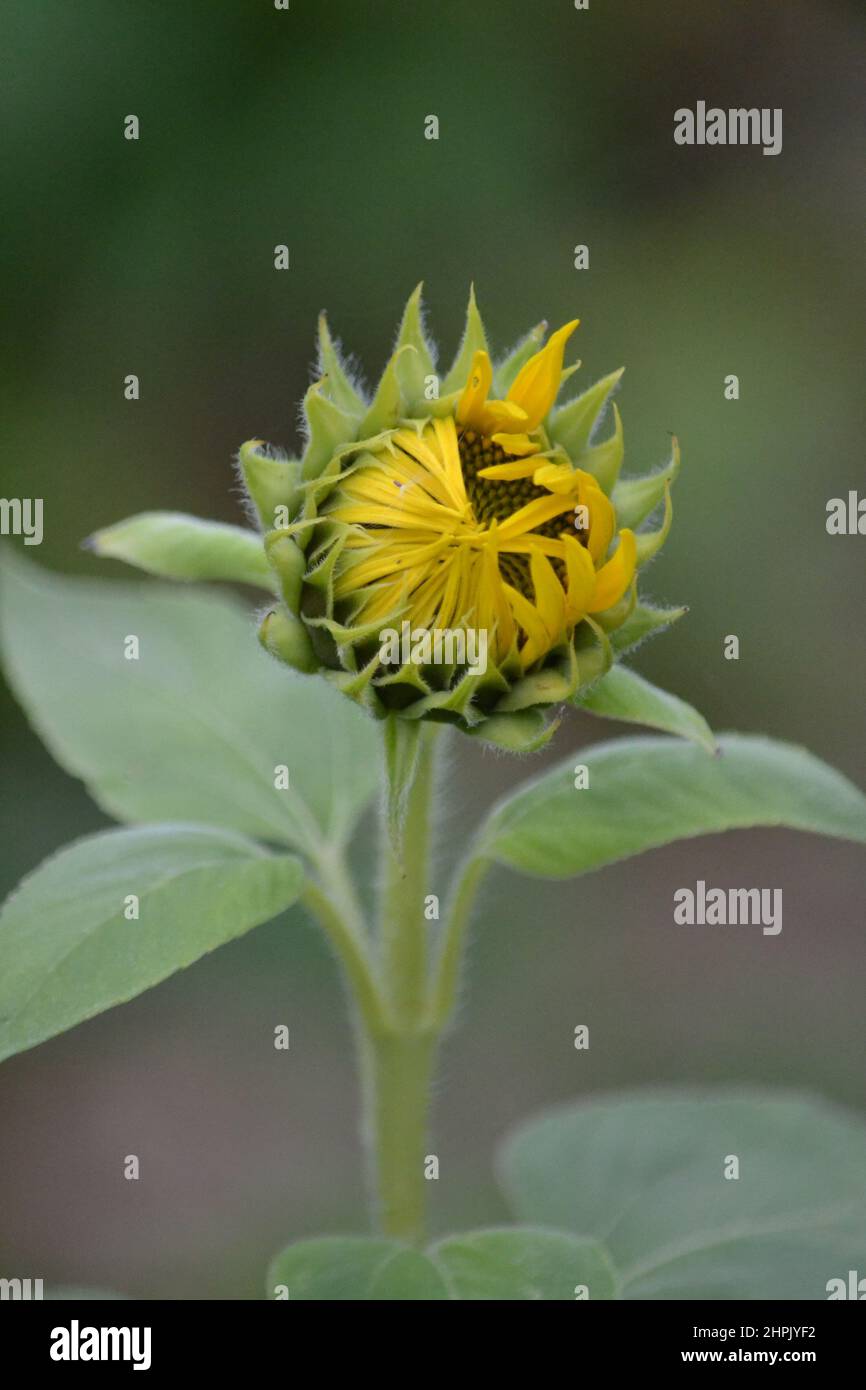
(614,578)
(445,435)
(537,383)
(531,543)
(556,477)
(581,578)
(385,562)
(505,416)
(503,622)
(507,472)
(549,596)
(470,411)
(537,642)
(518,444)
(450,604)
(436,451)
(427,596)
(533,514)
(602,522)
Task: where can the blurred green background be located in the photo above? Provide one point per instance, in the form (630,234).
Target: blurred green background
(306,127)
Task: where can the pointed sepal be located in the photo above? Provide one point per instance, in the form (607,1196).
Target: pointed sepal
(573,425)
(474,340)
(286,638)
(594,653)
(332,369)
(388,406)
(644,621)
(604,460)
(526,731)
(289,564)
(649,543)
(270,481)
(637,498)
(414,367)
(327,429)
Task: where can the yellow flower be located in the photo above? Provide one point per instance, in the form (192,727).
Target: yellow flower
(447,531)
(481,509)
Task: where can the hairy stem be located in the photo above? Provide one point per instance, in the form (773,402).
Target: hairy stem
(397,1072)
(352,952)
(403,1004)
(398,1058)
(446,975)
(406,852)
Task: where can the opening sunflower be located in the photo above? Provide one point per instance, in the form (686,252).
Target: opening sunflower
(479,509)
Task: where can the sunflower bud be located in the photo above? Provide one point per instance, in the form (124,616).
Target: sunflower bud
(459,550)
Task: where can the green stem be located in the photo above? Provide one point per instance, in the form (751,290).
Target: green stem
(334,873)
(398,1059)
(406,852)
(403,1006)
(397,1072)
(351,950)
(446,976)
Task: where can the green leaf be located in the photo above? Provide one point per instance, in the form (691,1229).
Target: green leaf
(524,1265)
(353,1268)
(648,792)
(511,1264)
(623,694)
(67,950)
(175,546)
(194,729)
(646,1175)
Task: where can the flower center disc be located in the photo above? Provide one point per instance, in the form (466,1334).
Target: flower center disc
(496,499)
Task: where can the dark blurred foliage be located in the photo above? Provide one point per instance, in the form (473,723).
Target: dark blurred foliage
(156,257)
